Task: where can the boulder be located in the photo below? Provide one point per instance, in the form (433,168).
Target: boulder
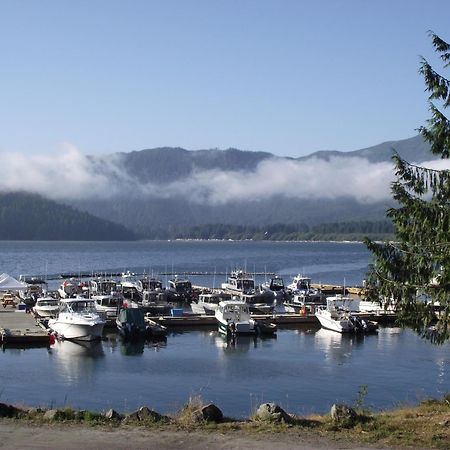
(343,415)
(8,410)
(112,414)
(209,413)
(147,414)
(51,414)
(271,412)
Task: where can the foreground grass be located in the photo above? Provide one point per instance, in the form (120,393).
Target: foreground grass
(424,426)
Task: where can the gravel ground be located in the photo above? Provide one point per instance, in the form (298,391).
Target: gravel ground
(14,435)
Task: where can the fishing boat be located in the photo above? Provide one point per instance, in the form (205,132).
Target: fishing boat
(179,290)
(46,307)
(77,319)
(334,316)
(239,282)
(133,324)
(208,302)
(233,318)
(129,286)
(276,287)
(108,305)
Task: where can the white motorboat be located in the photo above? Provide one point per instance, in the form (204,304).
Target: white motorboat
(239,282)
(46,307)
(108,305)
(179,290)
(276,287)
(207,303)
(233,317)
(77,319)
(129,286)
(70,289)
(336,317)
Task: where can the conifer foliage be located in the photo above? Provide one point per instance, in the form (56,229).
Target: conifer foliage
(413,271)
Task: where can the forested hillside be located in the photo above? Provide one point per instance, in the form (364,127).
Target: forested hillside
(26,216)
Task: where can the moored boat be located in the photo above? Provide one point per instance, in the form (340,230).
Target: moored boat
(77,319)
(233,318)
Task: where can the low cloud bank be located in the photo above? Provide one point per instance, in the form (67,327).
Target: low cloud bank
(72,175)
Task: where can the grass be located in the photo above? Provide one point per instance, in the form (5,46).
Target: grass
(426,425)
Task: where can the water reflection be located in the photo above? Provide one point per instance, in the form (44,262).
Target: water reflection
(241,343)
(136,347)
(77,358)
(337,347)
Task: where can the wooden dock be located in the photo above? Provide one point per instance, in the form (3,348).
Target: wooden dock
(20,328)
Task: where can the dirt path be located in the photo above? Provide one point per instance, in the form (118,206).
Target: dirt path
(14,435)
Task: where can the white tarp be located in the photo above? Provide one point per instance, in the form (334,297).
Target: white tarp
(8,283)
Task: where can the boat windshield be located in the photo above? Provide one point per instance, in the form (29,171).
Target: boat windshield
(277,284)
(245,284)
(83,306)
(48,302)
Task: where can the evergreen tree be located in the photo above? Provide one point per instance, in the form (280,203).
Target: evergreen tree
(413,272)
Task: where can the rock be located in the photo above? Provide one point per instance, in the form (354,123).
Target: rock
(209,413)
(271,412)
(343,415)
(8,410)
(147,414)
(112,414)
(51,414)
(132,417)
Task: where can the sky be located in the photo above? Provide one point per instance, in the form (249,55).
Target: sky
(287,77)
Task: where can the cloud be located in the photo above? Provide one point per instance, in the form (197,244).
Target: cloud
(71,175)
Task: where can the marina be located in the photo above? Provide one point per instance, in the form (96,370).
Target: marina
(302,366)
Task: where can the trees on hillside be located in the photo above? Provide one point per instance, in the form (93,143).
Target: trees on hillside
(413,272)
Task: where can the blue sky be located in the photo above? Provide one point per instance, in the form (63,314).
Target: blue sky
(288,77)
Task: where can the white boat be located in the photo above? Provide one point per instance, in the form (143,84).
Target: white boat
(276,287)
(71,289)
(239,282)
(108,305)
(233,317)
(336,316)
(179,290)
(207,303)
(77,319)
(129,286)
(46,307)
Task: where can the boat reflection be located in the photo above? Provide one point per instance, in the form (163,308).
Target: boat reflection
(136,347)
(78,359)
(337,347)
(241,343)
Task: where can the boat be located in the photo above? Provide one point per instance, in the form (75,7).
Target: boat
(46,307)
(129,286)
(233,318)
(259,301)
(133,324)
(104,286)
(108,305)
(71,289)
(276,287)
(239,282)
(77,319)
(335,317)
(151,288)
(179,290)
(208,302)
(303,297)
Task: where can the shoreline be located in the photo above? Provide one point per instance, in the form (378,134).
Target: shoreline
(426,425)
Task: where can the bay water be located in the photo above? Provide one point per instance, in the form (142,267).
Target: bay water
(305,369)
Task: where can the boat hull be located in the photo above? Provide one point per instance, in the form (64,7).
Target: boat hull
(82,332)
(341,326)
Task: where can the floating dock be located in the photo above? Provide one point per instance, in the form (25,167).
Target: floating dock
(20,328)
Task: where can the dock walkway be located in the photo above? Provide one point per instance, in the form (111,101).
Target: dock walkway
(18,327)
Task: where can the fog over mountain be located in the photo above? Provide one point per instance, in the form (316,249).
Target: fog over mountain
(159,187)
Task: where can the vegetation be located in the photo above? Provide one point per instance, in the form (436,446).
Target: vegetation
(424,426)
(30,217)
(339,231)
(414,272)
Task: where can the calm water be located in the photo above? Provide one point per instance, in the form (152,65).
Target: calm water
(305,370)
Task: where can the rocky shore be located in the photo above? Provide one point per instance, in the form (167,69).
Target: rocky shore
(199,425)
